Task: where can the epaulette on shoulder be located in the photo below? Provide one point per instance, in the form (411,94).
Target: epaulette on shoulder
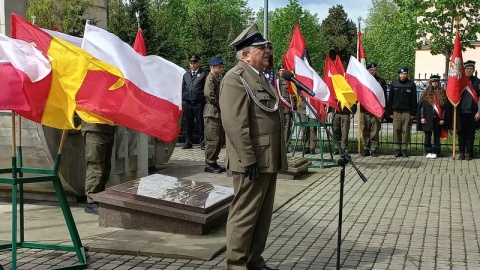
(239,71)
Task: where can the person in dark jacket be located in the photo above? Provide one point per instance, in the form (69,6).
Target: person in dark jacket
(371,124)
(192,95)
(402,108)
(341,125)
(467,113)
(431,116)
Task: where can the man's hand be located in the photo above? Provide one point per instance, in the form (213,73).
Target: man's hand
(477,116)
(423,120)
(251,172)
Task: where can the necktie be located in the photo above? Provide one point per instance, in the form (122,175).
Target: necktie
(194,73)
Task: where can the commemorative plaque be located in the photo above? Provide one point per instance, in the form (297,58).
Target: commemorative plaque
(170,191)
(164,203)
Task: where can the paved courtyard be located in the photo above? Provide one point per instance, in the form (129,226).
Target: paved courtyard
(413,213)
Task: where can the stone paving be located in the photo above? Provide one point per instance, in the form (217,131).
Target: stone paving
(413,213)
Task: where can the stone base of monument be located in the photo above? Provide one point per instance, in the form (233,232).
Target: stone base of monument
(164,203)
(297,166)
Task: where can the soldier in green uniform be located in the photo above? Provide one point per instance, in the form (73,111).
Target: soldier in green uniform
(309,133)
(287,114)
(211,116)
(98,140)
(253,125)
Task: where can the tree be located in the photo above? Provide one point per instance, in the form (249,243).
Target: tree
(436,25)
(340,33)
(64,16)
(389,38)
(281,24)
(123,22)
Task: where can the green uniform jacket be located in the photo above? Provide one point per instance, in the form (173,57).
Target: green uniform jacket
(211,91)
(252,134)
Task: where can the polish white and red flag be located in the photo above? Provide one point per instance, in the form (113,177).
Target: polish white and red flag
(151,99)
(360,52)
(22,67)
(310,78)
(366,87)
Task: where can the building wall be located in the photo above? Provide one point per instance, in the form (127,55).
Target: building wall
(426,63)
(6,8)
(99,12)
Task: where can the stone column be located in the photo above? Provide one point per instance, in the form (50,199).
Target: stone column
(6,8)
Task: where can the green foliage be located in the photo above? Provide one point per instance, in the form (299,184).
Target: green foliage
(281,25)
(123,22)
(389,38)
(65,16)
(436,26)
(340,33)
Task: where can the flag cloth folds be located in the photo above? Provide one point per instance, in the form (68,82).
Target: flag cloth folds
(310,78)
(139,44)
(23,68)
(335,79)
(72,68)
(369,91)
(151,99)
(297,47)
(457,81)
(360,52)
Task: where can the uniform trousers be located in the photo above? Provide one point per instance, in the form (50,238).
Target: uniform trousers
(98,154)
(248,221)
(370,131)
(466,133)
(309,133)
(194,112)
(213,142)
(402,126)
(341,127)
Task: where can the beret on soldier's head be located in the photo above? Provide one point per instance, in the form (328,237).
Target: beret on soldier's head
(215,61)
(249,37)
(434,78)
(194,58)
(372,65)
(402,69)
(469,63)
(281,66)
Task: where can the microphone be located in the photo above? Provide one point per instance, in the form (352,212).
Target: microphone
(287,75)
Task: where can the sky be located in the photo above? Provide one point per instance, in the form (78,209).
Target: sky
(353,8)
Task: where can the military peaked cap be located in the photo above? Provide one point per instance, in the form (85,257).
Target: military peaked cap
(434,78)
(249,37)
(402,69)
(372,65)
(469,63)
(194,57)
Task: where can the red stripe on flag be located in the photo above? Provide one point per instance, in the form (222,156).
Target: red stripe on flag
(366,96)
(131,104)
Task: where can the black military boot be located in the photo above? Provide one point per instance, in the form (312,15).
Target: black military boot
(468,156)
(366,153)
(374,153)
(461,156)
(399,153)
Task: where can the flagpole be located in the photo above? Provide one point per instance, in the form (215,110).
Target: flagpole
(359,125)
(454,145)
(137,15)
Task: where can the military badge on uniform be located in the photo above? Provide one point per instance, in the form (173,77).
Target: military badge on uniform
(198,75)
(212,86)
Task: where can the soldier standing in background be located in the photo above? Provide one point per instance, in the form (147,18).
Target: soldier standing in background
(402,108)
(211,114)
(255,150)
(341,125)
(309,133)
(98,140)
(287,114)
(372,124)
(467,113)
(192,95)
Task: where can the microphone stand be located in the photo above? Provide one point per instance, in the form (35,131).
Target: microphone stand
(342,161)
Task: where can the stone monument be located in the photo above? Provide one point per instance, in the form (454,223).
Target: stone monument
(164,203)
